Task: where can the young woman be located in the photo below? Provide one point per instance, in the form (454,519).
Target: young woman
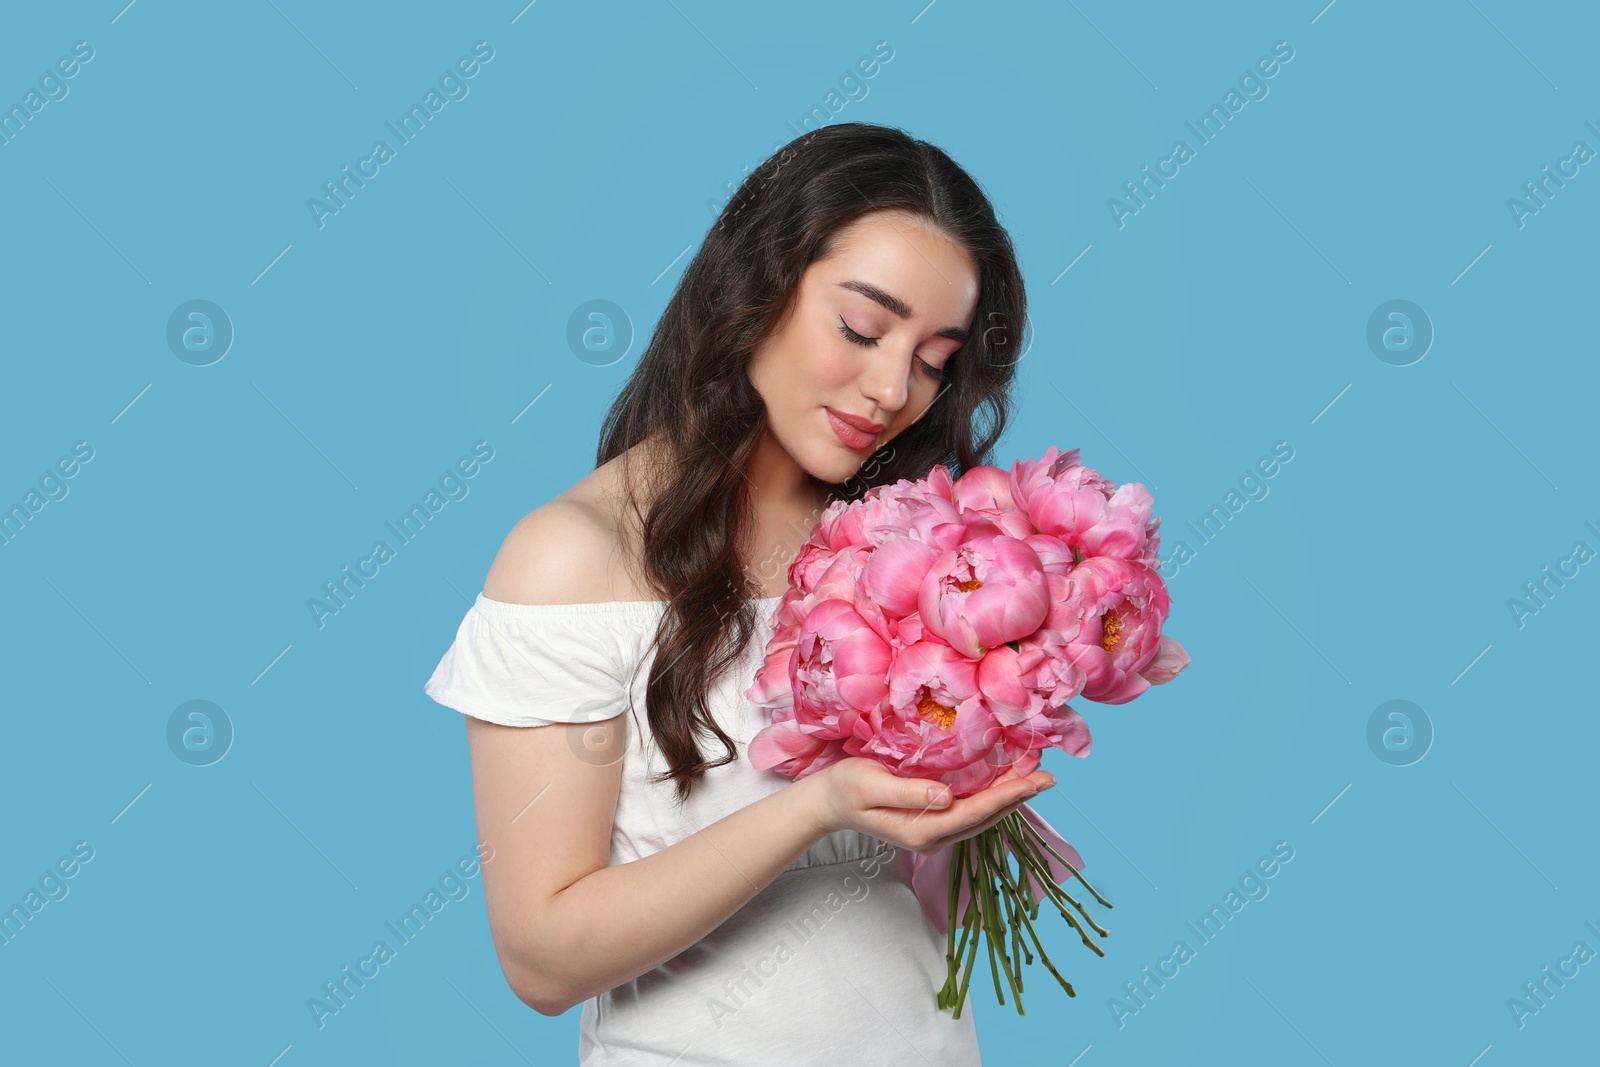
(850,312)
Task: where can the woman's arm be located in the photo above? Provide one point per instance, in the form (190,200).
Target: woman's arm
(567,925)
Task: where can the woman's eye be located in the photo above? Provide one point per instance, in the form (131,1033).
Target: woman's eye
(936,373)
(853,337)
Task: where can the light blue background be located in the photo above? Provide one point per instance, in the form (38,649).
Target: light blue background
(1228,314)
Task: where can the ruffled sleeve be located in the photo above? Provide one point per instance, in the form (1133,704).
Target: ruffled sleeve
(537,664)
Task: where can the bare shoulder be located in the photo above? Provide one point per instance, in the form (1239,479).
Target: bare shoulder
(571,550)
(562,552)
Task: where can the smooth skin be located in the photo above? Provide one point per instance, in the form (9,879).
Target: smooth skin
(566,924)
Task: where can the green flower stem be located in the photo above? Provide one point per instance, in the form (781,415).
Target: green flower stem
(982,889)
(1033,831)
(1019,899)
(1002,905)
(966,975)
(1057,893)
(958,863)
(1044,957)
(1019,951)
(1043,875)
(994,840)
(970,922)
(994,924)
(958,860)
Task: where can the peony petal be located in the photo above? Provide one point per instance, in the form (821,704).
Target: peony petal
(1170,659)
(780,742)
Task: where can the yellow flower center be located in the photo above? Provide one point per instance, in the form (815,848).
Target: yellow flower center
(942,714)
(1111,632)
(969,585)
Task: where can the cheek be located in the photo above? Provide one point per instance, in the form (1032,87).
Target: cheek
(800,371)
(826,361)
(832,374)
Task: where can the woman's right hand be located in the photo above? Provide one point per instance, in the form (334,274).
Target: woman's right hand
(862,794)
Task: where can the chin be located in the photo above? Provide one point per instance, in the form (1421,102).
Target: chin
(834,471)
(830,462)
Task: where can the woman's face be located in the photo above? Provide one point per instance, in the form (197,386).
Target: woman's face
(870,330)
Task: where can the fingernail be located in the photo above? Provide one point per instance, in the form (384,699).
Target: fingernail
(1049,785)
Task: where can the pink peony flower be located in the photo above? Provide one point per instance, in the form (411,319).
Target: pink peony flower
(922,510)
(934,719)
(983,495)
(986,489)
(893,575)
(984,592)
(1064,498)
(1019,682)
(1120,607)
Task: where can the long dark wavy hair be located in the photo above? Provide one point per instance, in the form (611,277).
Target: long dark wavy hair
(690,393)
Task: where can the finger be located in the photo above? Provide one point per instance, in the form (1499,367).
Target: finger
(1038,779)
(993,819)
(925,798)
(996,798)
(972,831)
(924,795)
(972,814)
(954,818)
(917,794)
(992,803)
(914,796)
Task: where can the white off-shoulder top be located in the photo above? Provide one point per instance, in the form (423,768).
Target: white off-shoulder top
(833,962)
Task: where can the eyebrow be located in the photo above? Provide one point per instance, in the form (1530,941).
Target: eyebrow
(899,307)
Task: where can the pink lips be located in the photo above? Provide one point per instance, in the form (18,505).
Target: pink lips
(856,433)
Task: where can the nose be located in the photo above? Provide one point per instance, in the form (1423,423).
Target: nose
(886,381)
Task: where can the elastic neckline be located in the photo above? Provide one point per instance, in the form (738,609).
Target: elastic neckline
(600,607)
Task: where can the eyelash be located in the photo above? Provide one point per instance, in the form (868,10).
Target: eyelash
(936,373)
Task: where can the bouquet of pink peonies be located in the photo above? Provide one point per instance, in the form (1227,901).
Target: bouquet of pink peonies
(940,627)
